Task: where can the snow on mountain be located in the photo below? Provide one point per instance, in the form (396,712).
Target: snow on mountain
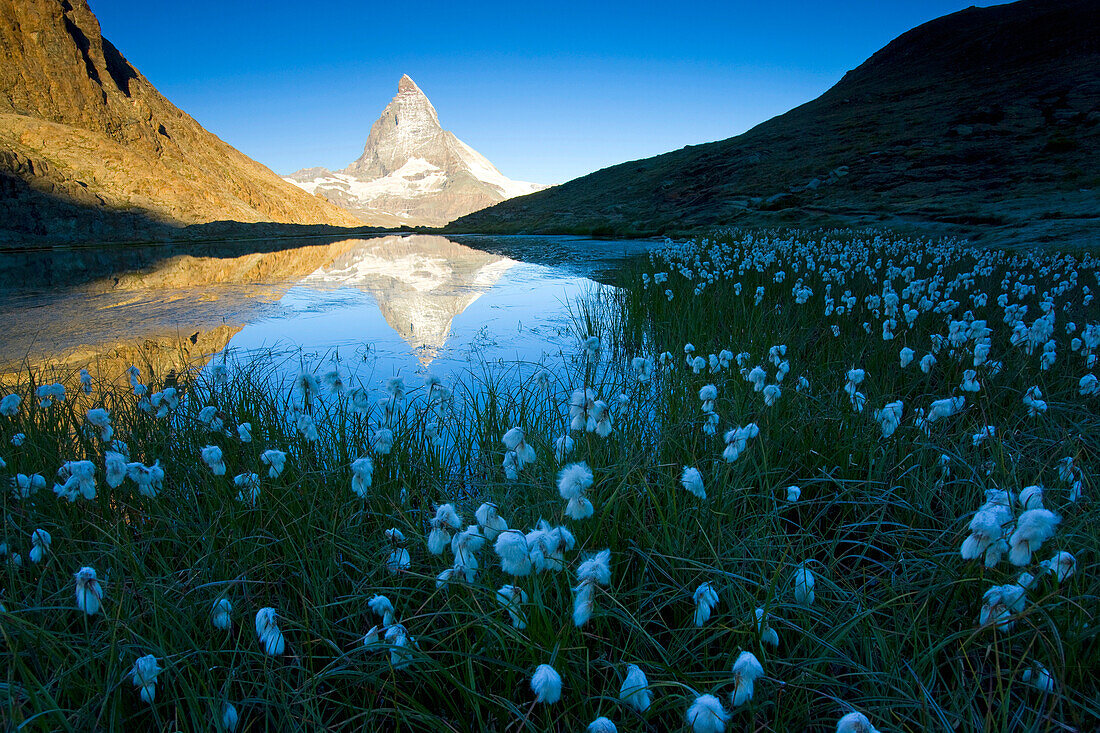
(412,171)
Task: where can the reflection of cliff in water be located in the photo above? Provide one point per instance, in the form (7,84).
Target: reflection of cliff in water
(419,282)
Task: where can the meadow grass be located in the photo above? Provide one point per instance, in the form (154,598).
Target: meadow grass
(893,631)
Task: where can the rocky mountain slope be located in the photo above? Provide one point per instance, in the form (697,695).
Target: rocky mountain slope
(984,123)
(412,172)
(88,145)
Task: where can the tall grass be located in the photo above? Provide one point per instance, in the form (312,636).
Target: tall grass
(893,632)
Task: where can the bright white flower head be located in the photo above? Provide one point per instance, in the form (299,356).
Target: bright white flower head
(221,614)
(1039,677)
(362,472)
(692,480)
(516,444)
(546,684)
(1031,497)
(746,670)
(635,690)
(855,723)
(1000,603)
(9,406)
(248,485)
(382,606)
(563,446)
(804,583)
(602,725)
(757,376)
(229,717)
(40,545)
(464,547)
(580,407)
(511,547)
(89,593)
(144,676)
(1062,564)
(706,715)
(705,598)
(212,456)
(100,418)
(244,432)
(268,632)
(767,633)
(78,479)
(276,459)
(445,521)
(793,493)
(1033,527)
(889,417)
(771,393)
(491,523)
(907,355)
(512,598)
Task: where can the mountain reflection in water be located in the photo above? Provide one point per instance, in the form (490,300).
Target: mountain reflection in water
(393,304)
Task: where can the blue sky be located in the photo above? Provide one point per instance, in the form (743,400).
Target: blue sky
(547,92)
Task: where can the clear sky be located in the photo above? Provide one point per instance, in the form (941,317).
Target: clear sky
(546,91)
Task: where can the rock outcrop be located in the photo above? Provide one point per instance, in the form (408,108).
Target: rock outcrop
(81,130)
(412,172)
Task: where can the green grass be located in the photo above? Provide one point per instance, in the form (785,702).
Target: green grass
(893,632)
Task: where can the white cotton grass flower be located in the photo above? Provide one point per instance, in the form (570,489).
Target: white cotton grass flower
(768,635)
(516,444)
(1031,497)
(771,393)
(593,572)
(212,457)
(602,725)
(1038,677)
(382,442)
(563,446)
(644,369)
(573,481)
(383,607)
(1033,527)
(546,684)
(1062,564)
(746,670)
(1000,603)
(906,356)
(445,521)
(706,715)
(757,376)
(268,632)
(511,548)
(512,598)
(987,532)
(698,365)
(927,362)
(101,418)
(248,485)
(804,583)
(148,479)
(18,439)
(547,546)
(144,677)
(221,613)
(591,348)
(401,646)
(708,394)
(580,409)
(601,419)
(114,468)
(89,592)
(230,717)
(635,690)
(211,418)
(47,393)
(275,460)
(77,479)
(465,547)
(9,406)
(244,432)
(692,481)
(737,440)
(307,427)
(986,433)
(362,473)
(306,388)
(1088,385)
(1033,400)
(491,523)
(86,381)
(855,723)
(792,493)
(889,417)
(40,545)
(705,598)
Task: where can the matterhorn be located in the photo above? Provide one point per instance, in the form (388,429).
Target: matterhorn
(412,172)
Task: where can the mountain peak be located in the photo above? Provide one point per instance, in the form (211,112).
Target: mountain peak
(408,85)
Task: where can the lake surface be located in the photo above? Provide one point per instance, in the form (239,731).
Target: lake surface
(382,306)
